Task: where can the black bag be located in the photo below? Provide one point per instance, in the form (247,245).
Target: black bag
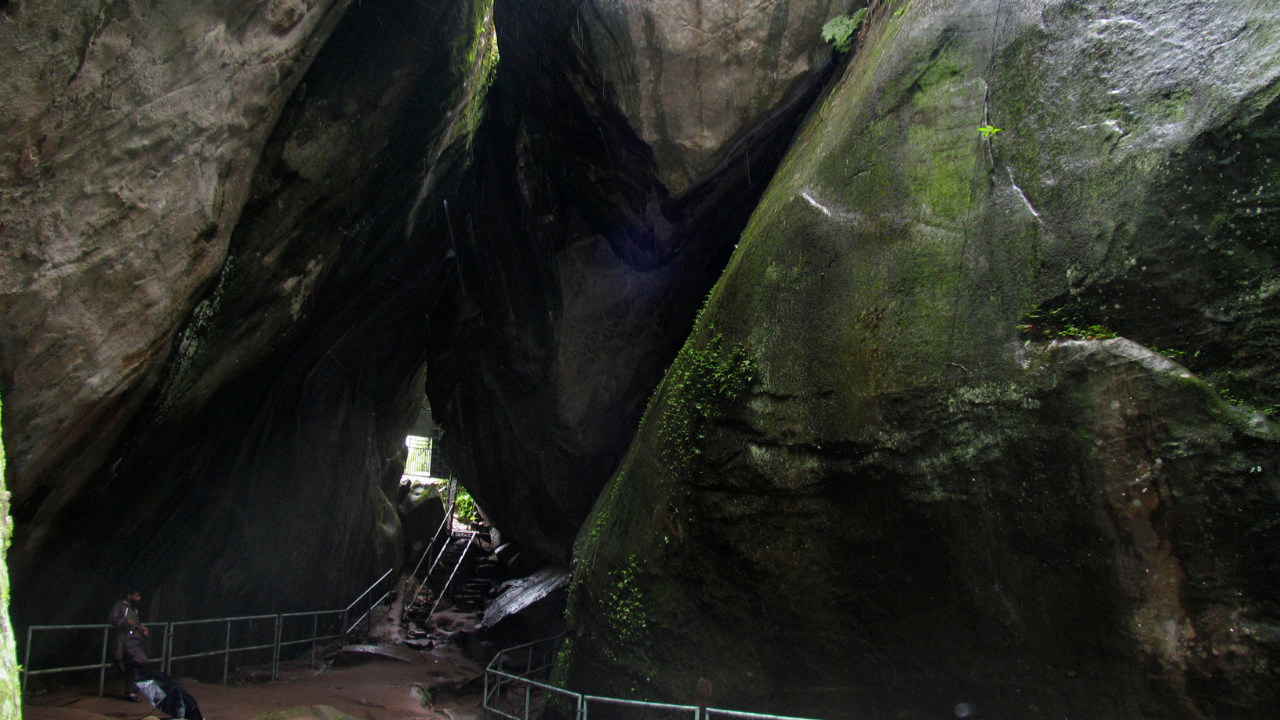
(168,696)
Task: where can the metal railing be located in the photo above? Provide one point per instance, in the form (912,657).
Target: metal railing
(167,629)
(497,680)
(371,604)
(411,598)
(471,539)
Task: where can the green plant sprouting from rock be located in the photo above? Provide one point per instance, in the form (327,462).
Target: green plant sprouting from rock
(988,130)
(1067,323)
(477,65)
(464,506)
(840,29)
(625,603)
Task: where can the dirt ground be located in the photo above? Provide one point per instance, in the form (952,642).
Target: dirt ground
(373,690)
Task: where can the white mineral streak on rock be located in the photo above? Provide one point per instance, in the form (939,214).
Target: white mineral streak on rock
(691,74)
(815,203)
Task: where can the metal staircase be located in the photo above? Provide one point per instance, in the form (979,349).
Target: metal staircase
(460,575)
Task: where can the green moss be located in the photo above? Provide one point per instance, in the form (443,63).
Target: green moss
(624,609)
(10,692)
(702,384)
(1070,321)
(940,159)
(477,62)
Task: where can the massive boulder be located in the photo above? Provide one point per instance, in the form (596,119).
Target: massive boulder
(691,76)
(587,242)
(130,137)
(913,460)
(397,212)
(247,472)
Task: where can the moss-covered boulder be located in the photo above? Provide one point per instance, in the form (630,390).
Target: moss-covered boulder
(904,466)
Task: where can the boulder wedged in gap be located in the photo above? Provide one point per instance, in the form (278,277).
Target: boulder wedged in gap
(587,243)
(355,654)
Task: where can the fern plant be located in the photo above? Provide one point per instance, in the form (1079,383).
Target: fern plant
(839,30)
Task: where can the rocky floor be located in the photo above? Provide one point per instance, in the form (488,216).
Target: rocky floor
(374,690)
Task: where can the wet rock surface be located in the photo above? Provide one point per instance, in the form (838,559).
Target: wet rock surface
(252,476)
(927,448)
(540,369)
(395,203)
(882,479)
(691,76)
(130,137)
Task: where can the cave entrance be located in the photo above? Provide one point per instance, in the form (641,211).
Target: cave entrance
(451,550)
(428,488)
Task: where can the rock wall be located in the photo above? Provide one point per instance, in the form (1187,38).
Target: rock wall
(904,466)
(690,76)
(236,235)
(583,259)
(131,133)
(398,210)
(299,366)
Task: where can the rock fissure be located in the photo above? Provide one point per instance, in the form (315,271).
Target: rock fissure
(934,381)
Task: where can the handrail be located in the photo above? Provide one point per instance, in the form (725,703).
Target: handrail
(417,594)
(449,582)
(167,655)
(427,550)
(370,588)
(367,612)
(413,576)
(495,679)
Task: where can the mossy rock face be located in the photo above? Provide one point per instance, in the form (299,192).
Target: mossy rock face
(925,491)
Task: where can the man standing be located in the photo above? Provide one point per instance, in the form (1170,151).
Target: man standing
(129,633)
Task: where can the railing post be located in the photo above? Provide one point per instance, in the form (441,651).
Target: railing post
(26,662)
(102,671)
(166,649)
(528,693)
(226,653)
(315,632)
(275,651)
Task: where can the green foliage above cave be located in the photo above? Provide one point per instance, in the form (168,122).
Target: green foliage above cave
(464,506)
(839,30)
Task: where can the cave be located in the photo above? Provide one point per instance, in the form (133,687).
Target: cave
(888,359)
